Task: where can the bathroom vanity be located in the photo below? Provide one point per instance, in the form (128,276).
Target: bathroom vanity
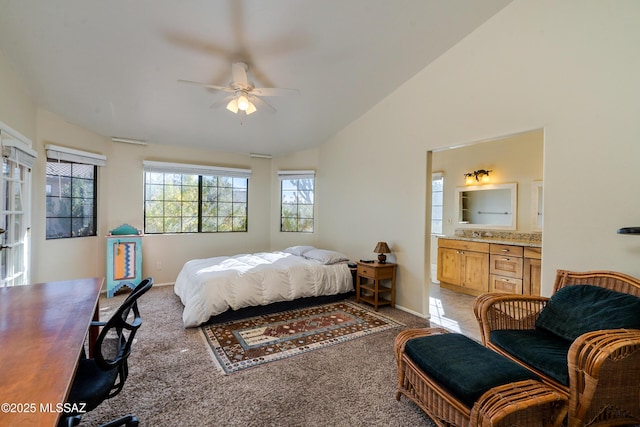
(477,265)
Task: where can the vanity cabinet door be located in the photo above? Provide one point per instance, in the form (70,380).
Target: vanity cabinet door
(532,271)
(475,272)
(468,269)
(449,265)
(532,276)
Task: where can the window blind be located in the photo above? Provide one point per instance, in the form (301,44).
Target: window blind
(16,147)
(299,174)
(22,155)
(55,152)
(189,169)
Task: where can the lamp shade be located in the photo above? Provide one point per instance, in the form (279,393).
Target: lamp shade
(233,105)
(382,248)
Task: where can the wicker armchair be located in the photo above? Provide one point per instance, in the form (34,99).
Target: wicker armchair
(603,366)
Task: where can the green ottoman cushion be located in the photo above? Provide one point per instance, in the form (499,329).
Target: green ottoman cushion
(463,366)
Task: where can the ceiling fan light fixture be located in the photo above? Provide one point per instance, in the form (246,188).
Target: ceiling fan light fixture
(233,106)
(243,103)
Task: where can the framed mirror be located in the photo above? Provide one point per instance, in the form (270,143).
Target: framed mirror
(492,206)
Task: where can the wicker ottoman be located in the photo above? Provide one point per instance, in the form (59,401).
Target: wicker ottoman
(458,382)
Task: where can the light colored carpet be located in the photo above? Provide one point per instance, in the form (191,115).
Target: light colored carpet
(173,382)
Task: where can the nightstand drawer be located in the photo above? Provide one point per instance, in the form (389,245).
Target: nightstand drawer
(376,273)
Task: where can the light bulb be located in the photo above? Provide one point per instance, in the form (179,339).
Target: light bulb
(243,103)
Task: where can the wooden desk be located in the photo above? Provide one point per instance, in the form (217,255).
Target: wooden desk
(42,332)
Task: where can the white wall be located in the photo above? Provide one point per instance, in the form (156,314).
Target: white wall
(16,107)
(569,68)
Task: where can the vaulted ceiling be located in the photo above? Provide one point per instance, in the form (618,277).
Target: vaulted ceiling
(113,66)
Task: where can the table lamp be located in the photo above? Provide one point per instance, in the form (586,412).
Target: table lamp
(382,248)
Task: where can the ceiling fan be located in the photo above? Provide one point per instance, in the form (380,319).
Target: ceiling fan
(245,97)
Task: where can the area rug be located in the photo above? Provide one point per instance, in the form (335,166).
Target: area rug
(254,341)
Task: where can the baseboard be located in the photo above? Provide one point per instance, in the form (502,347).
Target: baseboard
(415,313)
(164,284)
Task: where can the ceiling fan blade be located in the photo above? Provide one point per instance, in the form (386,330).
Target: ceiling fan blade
(239,72)
(222,88)
(262,104)
(223,101)
(274,91)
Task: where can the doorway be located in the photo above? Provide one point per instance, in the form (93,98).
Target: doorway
(516,158)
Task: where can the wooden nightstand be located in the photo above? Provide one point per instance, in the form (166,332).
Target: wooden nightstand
(369,286)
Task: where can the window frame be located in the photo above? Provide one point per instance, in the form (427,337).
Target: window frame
(297,176)
(204,175)
(92,218)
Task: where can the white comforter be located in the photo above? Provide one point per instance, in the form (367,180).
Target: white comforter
(208,287)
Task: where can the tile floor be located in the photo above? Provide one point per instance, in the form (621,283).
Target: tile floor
(454,311)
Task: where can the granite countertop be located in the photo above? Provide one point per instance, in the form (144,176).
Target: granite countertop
(532,240)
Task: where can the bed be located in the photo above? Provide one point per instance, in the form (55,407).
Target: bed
(210,287)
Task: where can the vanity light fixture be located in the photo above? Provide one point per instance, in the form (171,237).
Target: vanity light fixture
(480,174)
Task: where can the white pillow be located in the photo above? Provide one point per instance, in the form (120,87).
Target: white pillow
(298,250)
(325,256)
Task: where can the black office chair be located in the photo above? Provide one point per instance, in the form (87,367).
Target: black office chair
(103,376)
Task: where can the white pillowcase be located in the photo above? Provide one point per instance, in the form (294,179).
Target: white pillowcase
(298,250)
(325,256)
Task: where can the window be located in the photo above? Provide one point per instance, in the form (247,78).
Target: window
(71,188)
(181,198)
(437,190)
(296,201)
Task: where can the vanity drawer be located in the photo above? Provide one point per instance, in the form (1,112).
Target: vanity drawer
(535,253)
(463,245)
(509,266)
(510,250)
(505,284)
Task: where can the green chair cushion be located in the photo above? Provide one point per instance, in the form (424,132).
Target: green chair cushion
(577,309)
(537,348)
(462,366)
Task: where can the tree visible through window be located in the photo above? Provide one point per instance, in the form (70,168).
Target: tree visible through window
(191,203)
(70,199)
(297,198)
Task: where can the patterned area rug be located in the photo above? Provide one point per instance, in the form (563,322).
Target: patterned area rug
(246,343)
